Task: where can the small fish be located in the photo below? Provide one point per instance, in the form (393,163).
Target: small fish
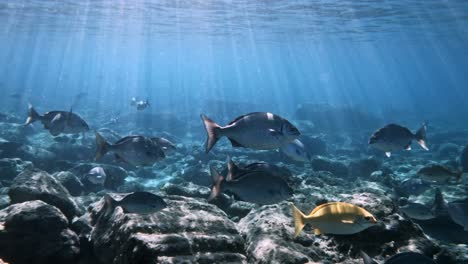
(394,137)
(167,146)
(58,122)
(296,151)
(401,258)
(135,150)
(458,211)
(257,187)
(334,218)
(135,203)
(412,186)
(139,104)
(97,176)
(439,174)
(417,211)
(236,172)
(259,130)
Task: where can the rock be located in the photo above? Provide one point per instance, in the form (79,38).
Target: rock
(364,167)
(70,181)
(268,232)
(4,201)
(115,175)
(38,185)
(187,231)
(36,232)
(323,164)
(15,132)
(464,159)
(10,168)
(42,158)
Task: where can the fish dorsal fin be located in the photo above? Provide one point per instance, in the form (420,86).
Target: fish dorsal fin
(439,207)
(232,169)
(242,116)
(366,258)
(320,207)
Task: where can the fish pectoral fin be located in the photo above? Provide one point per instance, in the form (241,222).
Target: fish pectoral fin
(235,143)
(317,231)
(347,221)
(388,154)
(408,147)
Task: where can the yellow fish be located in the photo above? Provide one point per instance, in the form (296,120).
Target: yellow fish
(334,218)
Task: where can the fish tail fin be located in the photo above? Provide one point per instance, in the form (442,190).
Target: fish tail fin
(421,136)
(299,218)
(366,259)
(32,115)
(212,130)
(232,169)
(109,205)
(216,188)
(101,146)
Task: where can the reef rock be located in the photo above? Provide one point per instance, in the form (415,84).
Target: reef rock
(38,185)
(36,232)
(268,232)
(70,181)
(10,168)
(187,231)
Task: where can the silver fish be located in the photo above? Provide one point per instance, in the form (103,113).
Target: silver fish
(401,258)
(458,211)
(256,187)
(96,175)
(417,211)
(135,203)
(135,150)
(58,122)
(394,137)
(439,174)
(296,151)
(167,146)
(235,172)
(259,130)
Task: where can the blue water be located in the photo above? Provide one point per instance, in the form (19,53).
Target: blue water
(381,56)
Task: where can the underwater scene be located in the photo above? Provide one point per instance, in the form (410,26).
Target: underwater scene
(233,131)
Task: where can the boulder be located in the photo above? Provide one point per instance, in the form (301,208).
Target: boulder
(38,185)
(36,232)
(10,168)
(70,181)
(187,231)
